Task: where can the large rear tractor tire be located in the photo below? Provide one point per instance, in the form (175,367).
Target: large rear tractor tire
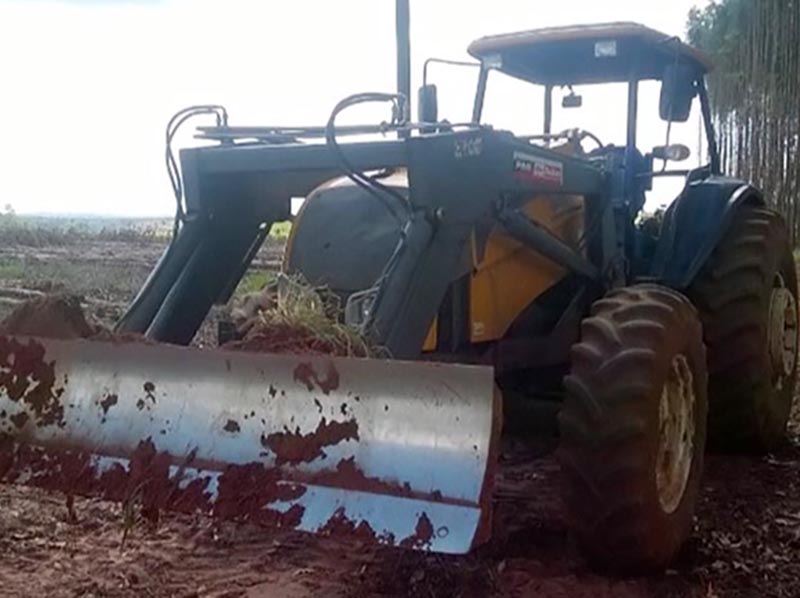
(747,299)
(633,428)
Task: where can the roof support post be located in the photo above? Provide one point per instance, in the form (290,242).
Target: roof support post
(630,142)
(711,138)
(480,94)
(633,109)
(548,108)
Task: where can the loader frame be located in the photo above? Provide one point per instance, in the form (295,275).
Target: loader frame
(234,193)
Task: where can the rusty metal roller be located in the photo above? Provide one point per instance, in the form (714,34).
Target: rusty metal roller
(396,452)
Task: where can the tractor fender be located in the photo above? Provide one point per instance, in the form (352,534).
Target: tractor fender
(694,225)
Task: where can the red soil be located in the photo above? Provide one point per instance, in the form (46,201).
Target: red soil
(50,316)
(746,542)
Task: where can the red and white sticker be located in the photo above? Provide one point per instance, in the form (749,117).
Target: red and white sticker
(534,169)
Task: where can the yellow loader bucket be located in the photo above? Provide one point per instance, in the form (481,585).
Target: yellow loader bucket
(400,453)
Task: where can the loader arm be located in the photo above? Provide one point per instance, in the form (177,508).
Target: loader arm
(233,196)
(235,192)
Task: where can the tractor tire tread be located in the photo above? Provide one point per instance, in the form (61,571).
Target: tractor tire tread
(605,431)
(732,294)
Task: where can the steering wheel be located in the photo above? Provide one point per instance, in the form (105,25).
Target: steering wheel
(578,135)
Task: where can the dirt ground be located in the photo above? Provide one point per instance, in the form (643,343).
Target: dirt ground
(746,542)
(104,274)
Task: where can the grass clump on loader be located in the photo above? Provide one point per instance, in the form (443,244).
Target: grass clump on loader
(290,316)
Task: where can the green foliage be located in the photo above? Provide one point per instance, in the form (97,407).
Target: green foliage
(39,231)
(280,230)
(718,29)
(254,281)
(751,45)
(8,218)
(754,92)
(11,269)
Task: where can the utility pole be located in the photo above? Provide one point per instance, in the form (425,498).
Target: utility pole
(403,30)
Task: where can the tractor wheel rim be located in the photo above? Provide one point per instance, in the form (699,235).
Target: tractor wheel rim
(676,434)
(782,331)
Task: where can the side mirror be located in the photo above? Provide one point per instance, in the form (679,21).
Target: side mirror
(677,92)
(428,107)
(676,152)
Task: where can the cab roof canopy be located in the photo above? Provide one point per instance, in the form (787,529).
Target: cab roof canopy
(608,52)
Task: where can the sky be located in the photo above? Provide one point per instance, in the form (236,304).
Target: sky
(88,85)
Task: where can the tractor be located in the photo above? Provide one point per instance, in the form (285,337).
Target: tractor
(499,273)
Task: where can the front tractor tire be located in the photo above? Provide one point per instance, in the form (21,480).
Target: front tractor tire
(633,429)
(746,295)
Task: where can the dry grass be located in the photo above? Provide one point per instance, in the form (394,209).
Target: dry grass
(44,231)
(302,318)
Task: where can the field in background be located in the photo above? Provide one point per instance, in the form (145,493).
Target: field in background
(103,260)
(745,542)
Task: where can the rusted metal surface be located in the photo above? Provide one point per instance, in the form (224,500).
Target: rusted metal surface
(397,453)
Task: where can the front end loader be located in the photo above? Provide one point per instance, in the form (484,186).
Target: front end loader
(491,269)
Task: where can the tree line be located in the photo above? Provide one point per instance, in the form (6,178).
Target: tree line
(755,93)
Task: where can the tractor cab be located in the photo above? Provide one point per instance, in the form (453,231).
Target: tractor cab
(561,58)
